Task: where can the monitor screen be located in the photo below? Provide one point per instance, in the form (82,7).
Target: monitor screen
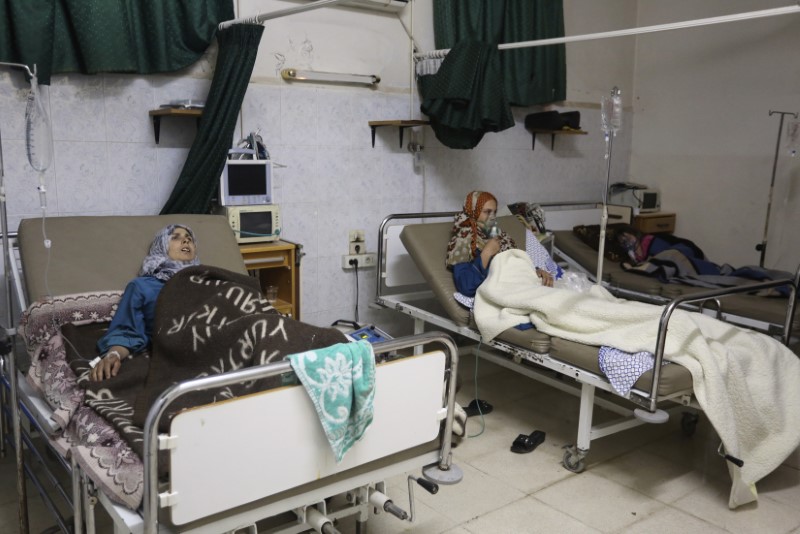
(246,182)
(256,223)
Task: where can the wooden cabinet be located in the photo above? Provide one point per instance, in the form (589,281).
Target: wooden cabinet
(276,264)
(652,223)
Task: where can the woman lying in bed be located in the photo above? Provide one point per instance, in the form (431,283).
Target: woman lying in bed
(475,240)
(172,249)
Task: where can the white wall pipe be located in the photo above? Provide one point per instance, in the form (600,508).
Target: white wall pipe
(634,31)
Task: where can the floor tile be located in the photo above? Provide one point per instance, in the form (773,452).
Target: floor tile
(476,495)
(528,472)
(598,502)
(652,475)
(529,516)
(672,520)
(710,502)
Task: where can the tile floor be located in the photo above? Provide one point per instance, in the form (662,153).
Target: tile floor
(650,479)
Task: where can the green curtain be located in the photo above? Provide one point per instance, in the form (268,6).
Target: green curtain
(92,36)
(531,76)
(199,179)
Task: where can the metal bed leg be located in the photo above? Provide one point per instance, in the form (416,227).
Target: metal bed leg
(77,498)
(573,456)
(3,420)
(89,502)
(419,327)
(22,495)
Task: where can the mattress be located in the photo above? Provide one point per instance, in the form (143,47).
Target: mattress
(771,310)
(427,245)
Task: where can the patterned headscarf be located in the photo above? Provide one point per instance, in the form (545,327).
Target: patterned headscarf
(157,263)
(469,235)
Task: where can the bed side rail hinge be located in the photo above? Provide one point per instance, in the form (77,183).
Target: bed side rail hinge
(167,499)
(167,442)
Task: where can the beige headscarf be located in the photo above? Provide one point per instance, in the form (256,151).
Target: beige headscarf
(468,235)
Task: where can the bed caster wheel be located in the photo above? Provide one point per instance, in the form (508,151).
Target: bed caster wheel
(573,461)
(689,423)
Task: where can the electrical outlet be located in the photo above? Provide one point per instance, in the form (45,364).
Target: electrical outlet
(355,236)
(358,247)
(364,260)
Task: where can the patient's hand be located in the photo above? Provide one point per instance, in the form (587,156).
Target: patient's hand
(491,248)
(109,365)
(547,278)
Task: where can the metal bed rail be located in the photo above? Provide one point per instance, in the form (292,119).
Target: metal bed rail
(162,403)
(670,308)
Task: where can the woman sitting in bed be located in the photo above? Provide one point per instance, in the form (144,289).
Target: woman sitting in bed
(172,249)
(475,240)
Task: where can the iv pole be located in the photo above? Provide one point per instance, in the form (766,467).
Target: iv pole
(762,247)
(611,121)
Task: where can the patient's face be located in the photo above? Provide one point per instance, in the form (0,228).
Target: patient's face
(181,245)
(488,212)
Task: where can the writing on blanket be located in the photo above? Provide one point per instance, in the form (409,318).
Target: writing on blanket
(116,411)
(201,326)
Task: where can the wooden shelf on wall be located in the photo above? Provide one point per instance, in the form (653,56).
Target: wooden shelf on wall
(172,112)
(553,134)
(400,123)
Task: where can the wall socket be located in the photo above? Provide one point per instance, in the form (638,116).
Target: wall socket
(357,247)
(364,260)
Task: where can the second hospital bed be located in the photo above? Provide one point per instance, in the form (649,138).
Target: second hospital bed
(231,463)
(413,280)
(766,314)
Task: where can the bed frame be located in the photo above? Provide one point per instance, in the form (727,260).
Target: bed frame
(288,479)
(413,280)
(770,315)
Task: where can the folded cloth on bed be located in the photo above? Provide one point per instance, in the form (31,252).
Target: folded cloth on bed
(341,383)
(622,368)
(745,381)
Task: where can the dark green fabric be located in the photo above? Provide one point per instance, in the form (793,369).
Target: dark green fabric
(199,179)
(92,36)
(532,76)
(465,98)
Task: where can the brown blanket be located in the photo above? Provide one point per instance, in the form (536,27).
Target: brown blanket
(208,321)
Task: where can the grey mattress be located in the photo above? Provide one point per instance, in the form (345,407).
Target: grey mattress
(427,245)
(105,253)
(768,309)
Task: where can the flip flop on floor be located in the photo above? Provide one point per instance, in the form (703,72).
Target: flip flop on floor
(527,443)
(478,407)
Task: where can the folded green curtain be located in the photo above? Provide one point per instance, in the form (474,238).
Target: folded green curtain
(93,36)
(199,179)
(532,76)
(466,98)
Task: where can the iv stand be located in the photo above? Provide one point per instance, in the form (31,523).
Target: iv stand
(604,218)
(10,332)
(762,247)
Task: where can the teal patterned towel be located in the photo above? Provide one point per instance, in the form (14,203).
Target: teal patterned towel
(340,380)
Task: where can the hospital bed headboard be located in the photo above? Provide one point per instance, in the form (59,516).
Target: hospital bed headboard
(427,245)
(105,253)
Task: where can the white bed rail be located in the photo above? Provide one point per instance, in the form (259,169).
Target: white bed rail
(163,402)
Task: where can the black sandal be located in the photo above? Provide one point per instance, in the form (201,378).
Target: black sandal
(527,443)
(478,407)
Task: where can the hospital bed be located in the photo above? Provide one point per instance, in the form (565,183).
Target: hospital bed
(281,466)
(413,280)
(765,314)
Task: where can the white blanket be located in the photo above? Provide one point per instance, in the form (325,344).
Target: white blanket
(747,383)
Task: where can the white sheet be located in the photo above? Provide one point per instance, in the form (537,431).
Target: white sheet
(747,383)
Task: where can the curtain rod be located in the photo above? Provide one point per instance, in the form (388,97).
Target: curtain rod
(258,19)
(633,31)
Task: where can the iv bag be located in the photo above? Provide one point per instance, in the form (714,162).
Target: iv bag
(792,143)
(38,136)
(611,112)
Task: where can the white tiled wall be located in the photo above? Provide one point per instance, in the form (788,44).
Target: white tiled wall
(332,180)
